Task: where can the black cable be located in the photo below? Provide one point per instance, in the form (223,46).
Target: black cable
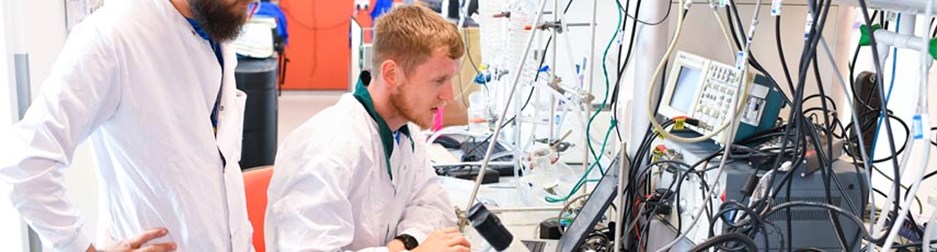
(797,119)
(799,129)
(809,55)
(827,174)
(781,242)
(506,123)
(727,237)
(855,165)
(621,69)
(632,189)
(647,143)
(934,30)
(636,20)
(618,76)
(729,12)
(829,146)
(733,206)
(932,142)
(708,208)
(881,95)
(903,124)
(788,180)
(468,54)
(752,60)
(642,150)
(777,38)
(852,76)
(827,97)
(634,32)
(661,201)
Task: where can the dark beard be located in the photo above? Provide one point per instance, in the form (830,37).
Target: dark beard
(220,21)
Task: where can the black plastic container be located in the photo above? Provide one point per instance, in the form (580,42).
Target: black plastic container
(258,78)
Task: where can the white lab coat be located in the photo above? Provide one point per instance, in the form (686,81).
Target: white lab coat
(138,82)
(331,190)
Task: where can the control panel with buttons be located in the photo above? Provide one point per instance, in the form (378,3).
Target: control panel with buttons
(716,99)
(709,91)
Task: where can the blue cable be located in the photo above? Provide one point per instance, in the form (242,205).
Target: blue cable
(882,114)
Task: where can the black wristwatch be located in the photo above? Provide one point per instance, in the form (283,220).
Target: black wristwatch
(409,242)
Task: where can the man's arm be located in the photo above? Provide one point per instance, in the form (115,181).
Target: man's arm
(428,208)
(79,95)
(308,207)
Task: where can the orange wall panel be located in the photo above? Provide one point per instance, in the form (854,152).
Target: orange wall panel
(319,50)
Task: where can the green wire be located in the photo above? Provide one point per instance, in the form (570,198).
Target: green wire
(582,179)
(607,84)
(614,123)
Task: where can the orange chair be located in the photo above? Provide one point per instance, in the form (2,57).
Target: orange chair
(256,181)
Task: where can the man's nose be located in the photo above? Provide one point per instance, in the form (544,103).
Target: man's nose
(447,93)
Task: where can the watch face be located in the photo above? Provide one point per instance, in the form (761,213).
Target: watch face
(408,241)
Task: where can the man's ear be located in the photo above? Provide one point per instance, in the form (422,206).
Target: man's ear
(389,70)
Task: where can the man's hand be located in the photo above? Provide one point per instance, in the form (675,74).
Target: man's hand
(448,239)
(395,246)
(136,243)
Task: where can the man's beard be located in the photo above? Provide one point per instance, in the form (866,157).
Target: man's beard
(404,105)
(222,22)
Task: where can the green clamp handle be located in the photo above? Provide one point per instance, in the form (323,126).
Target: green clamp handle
(866,34)
(866,39)
(933,48)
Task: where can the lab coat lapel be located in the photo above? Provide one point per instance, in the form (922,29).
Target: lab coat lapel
(229,136)
(231,112)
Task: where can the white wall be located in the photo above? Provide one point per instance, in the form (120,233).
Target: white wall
(44,37)
(12,229)
(6,60)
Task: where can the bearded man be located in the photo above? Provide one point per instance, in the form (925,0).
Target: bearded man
(151,84)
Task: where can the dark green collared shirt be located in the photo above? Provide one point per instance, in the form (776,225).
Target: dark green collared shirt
(387,137)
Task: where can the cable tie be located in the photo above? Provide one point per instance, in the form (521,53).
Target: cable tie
(679,123)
